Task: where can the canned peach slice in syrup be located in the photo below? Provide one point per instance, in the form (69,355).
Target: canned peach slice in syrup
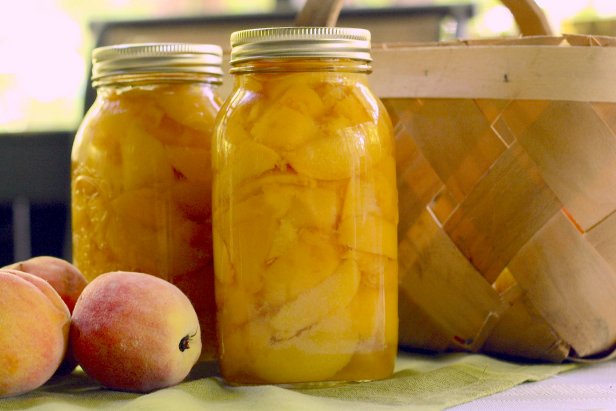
(304,209)
(141,169)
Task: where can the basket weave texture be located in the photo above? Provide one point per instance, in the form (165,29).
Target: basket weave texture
(507,235)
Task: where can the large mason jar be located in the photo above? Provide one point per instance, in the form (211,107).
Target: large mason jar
(304,211)
(141,169)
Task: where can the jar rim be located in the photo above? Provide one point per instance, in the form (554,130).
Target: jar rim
(300,42)
(144,58)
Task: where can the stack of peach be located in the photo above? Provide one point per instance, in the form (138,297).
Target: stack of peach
(304,225)
(141,190)
(51,319)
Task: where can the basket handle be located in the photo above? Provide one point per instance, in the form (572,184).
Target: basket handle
(528,15)
(320,13)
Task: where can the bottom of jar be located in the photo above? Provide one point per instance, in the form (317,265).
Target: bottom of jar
(362,367)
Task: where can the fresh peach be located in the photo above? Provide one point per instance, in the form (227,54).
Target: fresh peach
(63,276)
(66,279)
(135,332)
(34,328)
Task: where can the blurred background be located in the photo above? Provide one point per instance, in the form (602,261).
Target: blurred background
(45,48)
(45,44)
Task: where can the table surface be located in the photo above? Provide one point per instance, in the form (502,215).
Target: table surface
(421,383)
(587,388)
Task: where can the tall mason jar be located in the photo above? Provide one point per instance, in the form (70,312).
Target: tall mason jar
(141,169)
(305,212)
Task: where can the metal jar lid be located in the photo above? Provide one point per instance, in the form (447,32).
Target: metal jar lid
(145,58)
(307,42)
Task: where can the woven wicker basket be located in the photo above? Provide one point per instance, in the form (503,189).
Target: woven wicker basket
(507,189)
(507,192)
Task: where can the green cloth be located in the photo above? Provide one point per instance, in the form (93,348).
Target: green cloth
(421,382)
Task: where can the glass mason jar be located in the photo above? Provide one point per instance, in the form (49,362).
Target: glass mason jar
(141,169)
(304,208)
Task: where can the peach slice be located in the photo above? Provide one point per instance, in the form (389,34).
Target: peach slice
(369,234)
(189,106)
(284,128)
(316,354)
(251,160)
(144,206)
(191,163)
(302,263)
(144,161)
(298,96)
(351,151)
(305,207)
(313,305)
